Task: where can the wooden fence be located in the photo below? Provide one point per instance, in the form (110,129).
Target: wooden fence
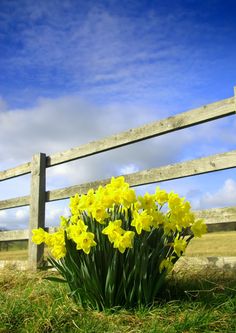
(217,219)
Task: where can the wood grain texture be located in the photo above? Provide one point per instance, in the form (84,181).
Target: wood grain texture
(15,202)
(14,235)
(20,170)
(219,219)
(217,215)
(173,171)
(37,206)
(193,117)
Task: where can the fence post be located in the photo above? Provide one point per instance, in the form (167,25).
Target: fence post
(37,207)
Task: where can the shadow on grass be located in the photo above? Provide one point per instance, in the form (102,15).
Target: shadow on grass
(210,286)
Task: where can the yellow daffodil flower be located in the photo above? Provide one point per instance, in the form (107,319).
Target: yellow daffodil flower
(161,196)
(58,251)
(122,242)
(85,241)
(174,201)
(113,230)
(99,213)
(142,221)
(74,230)
(147,201)
(64,221)
(128,197)
(74,202)
(199,228)
(38,236)
(166,264)
(179,246)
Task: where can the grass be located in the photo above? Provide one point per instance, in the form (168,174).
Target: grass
(220,243)
(191,302)
(14,255)
(203,301)
(211,244)
(14,250)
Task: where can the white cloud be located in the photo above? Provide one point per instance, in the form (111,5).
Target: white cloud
(54,210)
(53,213)
(16,218)
(225,196)
(129,168)
(22,214)
(3,214)
(4,219)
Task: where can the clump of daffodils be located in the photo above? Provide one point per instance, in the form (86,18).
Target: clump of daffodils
(111,232)
(118,199)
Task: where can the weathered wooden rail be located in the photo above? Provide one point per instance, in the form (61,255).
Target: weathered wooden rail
(217,219)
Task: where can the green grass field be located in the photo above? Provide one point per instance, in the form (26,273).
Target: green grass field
(190,303)
(220,243)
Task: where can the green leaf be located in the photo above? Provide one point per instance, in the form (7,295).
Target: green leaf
(55,279)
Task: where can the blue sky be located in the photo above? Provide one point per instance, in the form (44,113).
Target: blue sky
(69,68)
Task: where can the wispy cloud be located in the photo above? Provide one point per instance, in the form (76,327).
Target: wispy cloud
(224,196)
(56,125)
(105,54)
